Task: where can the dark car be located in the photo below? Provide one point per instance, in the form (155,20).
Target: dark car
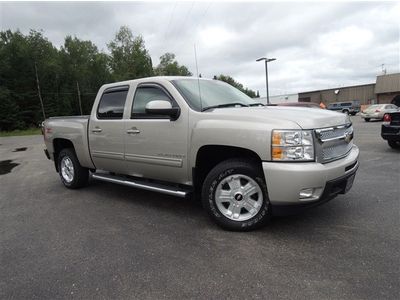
(390,129)
(349,107)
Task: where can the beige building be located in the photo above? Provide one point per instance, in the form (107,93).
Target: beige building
(385,90)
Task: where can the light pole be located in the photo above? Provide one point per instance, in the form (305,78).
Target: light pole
(267,60)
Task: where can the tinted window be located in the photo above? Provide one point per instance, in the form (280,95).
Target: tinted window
(345,104)
(143,96)
(112,104)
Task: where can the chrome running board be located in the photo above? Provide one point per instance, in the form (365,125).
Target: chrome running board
(149,186)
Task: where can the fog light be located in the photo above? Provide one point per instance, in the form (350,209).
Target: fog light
(306,193)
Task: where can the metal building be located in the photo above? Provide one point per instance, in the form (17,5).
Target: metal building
(385,90)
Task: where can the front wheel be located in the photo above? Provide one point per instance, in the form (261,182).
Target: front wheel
(367,119)
(72,174)
(235,196)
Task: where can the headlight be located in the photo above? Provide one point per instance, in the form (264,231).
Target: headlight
(290,145)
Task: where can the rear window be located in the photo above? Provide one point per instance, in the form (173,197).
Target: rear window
(112,104)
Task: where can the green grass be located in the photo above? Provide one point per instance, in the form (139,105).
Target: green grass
(30,131)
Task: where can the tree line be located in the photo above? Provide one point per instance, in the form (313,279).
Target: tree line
(38,80)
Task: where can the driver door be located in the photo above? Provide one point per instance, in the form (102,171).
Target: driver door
(155,146)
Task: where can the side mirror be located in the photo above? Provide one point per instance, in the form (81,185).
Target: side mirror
(164,108)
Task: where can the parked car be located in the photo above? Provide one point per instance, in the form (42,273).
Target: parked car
(390,129)
(377,111)
(183,135)
(300,104)
(349,107)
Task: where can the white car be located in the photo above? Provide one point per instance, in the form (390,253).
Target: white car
(377,111)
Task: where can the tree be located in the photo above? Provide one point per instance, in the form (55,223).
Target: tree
(168,66)
(83,66)
(239,86)
(129,56)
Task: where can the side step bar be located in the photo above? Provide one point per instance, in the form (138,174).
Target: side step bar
(149,186)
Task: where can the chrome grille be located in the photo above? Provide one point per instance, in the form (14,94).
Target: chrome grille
(336,150)
(334,142)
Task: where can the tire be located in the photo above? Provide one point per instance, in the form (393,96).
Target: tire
(345,111)
(394,144)
(72,174)
(367,119)
(238,210)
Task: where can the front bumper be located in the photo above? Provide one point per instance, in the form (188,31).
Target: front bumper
(286,180)
(390,132)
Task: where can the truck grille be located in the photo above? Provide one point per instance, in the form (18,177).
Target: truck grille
(334,142)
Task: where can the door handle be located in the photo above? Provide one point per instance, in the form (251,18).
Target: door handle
(97,129)
(133,130)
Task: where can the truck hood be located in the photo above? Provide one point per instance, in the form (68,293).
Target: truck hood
(306,118)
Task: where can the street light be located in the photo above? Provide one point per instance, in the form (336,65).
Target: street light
(267,60)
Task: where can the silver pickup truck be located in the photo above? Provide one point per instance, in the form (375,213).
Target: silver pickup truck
(185,135)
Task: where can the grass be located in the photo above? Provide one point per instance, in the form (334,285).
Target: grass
(30,131)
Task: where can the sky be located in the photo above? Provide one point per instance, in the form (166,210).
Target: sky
(317,44)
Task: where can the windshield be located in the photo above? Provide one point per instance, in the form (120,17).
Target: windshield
(375,106)
(213,92)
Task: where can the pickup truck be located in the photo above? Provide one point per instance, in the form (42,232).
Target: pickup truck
(390,129)
(192,136)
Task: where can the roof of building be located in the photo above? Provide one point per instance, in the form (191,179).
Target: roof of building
(387,83)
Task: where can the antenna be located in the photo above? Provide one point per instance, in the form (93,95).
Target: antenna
(198,80)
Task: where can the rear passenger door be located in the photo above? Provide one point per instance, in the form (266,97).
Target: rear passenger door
(106,130)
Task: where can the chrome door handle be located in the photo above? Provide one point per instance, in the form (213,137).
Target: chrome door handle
(133,131)
(97,129)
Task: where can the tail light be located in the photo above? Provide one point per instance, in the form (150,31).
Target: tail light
(387,119)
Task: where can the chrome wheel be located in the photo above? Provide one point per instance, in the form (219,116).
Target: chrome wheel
(67,169)
(239,197)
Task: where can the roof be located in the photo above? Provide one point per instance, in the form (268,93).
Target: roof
(387,83)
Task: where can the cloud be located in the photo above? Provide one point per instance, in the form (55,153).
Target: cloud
(317,45)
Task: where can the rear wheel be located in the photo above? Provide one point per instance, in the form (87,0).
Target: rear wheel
(394,144)
(235,196)
(72,174)
(367,119)
(345,111)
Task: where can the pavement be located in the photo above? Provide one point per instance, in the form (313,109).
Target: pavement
(109,241)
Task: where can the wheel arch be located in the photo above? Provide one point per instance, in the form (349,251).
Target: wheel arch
(208,156)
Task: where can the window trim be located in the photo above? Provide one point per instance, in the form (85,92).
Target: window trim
(141,116)
(110,90)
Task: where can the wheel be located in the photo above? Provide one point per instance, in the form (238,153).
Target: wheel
(367,119)
(394,144)
(235,195)
(72,174)
(345,111)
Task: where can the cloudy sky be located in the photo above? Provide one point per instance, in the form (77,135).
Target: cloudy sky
(317,45)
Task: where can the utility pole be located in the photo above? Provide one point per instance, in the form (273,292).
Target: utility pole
(79,96)
(39,94)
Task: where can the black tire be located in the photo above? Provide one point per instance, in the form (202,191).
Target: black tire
(80,175)
(345,111)
(394,144)
(218,174)
(367,119)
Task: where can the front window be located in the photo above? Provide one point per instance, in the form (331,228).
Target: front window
(201,94)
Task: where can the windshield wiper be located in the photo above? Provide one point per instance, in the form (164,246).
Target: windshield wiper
(257,104)
(224,105)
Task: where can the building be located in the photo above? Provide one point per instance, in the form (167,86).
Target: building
(385,90)
(280,99)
